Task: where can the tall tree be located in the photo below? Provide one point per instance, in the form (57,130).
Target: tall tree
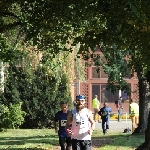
(49,24)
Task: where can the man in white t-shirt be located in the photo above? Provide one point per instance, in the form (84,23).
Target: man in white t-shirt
(83,125)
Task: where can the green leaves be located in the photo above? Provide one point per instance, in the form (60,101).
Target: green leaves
(11,116)
(50,24)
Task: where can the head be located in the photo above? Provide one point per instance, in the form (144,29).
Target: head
(96,96)
(80,102)
(120,97)
(74,103)
(63,106)
(105,104)
(132,100)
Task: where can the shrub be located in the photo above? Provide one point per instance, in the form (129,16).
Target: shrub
(11,117)
(115,116)
(39,92)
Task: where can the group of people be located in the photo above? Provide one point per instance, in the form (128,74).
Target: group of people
(133,111)
(103,113)
(76,126)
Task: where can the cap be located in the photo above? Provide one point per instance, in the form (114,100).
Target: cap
(80,97)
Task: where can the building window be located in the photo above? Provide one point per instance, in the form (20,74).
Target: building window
(95,90)
(103,74)
(125,96)
(106,96)
(95,73)
(98,74)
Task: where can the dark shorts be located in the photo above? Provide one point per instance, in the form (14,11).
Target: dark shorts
(81,144)
(63,140)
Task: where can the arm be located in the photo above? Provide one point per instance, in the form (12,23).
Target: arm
(118,105)
(100,112)
(69,120)
(56,126)
(56,123)
(130,109)
(68,123)
(110,111)
(92,123)
(98,102)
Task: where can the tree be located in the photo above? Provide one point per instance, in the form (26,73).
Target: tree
(11,93)
(127,28)
(49,25)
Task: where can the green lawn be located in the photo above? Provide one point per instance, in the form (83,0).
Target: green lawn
(46,139)
(20,139)
(119,141)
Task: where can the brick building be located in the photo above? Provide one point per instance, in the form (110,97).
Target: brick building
(95,84)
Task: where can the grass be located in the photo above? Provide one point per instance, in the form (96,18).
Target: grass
(31,139)
(119,141)
(46,139)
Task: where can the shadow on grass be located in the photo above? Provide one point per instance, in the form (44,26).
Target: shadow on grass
(34,142)
(52,140)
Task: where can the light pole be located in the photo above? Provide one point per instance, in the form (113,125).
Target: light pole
(78,69)
(120,92)
(78,91)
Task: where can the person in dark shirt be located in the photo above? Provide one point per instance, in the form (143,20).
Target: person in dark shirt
(119,107)
(105,116)
(61,118)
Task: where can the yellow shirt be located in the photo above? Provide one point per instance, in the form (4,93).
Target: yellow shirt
(134,108)
(95,103)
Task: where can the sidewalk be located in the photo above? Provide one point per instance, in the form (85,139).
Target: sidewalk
(115,125)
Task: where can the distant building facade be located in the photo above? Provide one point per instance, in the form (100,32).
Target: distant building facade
(95,84)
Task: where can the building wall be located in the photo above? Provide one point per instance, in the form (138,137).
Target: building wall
(87,87)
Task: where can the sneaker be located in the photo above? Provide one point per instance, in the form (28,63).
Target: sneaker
(105,133)
(107,126)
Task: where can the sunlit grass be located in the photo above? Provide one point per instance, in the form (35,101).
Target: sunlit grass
(46,139)
(40,139)
(123,141)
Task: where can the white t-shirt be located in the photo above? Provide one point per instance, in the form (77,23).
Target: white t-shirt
(81,124)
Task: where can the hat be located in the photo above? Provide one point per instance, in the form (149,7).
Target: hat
(80,97)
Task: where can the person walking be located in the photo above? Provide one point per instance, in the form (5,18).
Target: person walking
(82,127)
(61,119)
(119,107)
(96,106)
(134,114)
(105,116)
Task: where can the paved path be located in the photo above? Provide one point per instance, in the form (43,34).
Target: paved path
(116,126)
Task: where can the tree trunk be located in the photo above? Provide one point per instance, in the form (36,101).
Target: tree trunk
(146,144)
(143,105)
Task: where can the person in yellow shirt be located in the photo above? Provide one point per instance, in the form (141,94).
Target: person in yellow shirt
(134,114)
(96,106)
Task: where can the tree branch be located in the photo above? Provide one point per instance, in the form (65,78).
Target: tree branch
(6,14)
(5,27)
